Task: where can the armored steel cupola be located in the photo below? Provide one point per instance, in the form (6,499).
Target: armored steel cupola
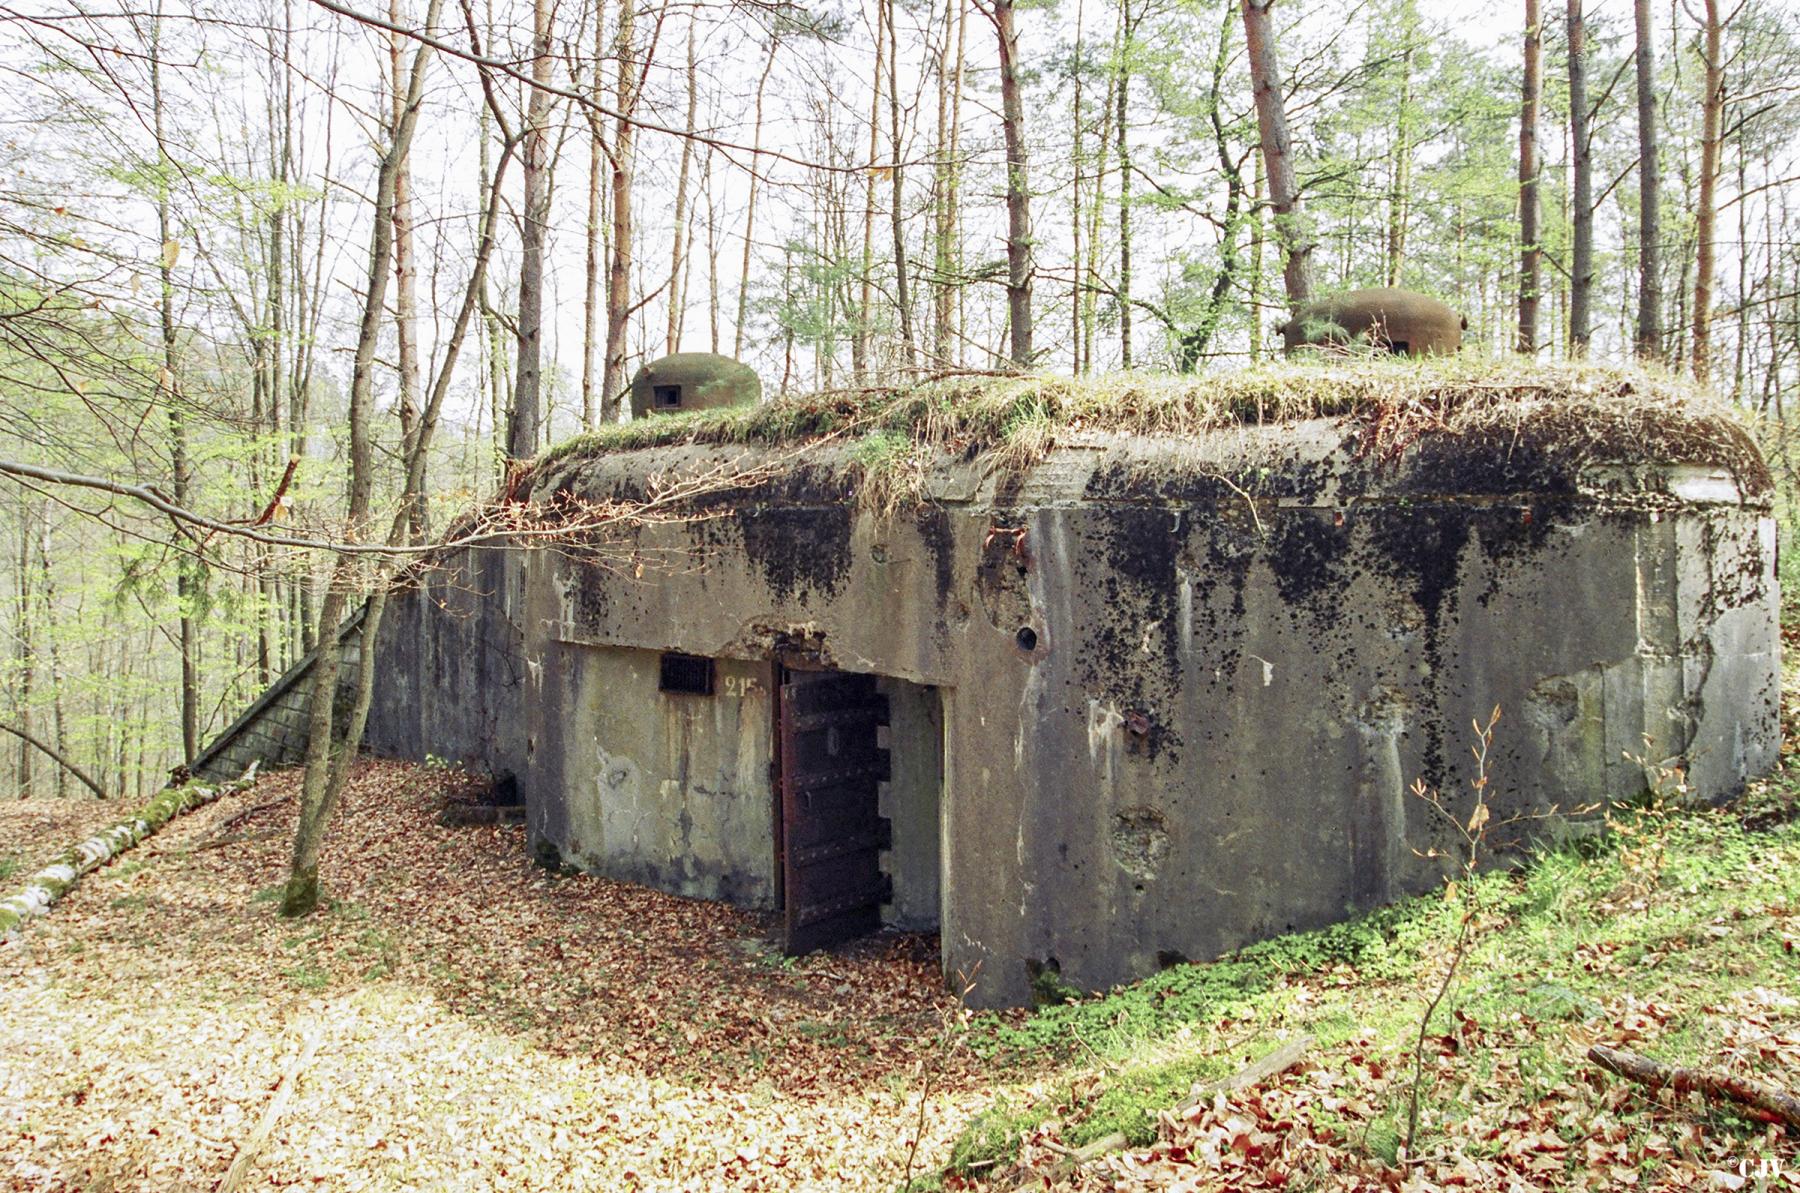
(1402,322)
(693,381)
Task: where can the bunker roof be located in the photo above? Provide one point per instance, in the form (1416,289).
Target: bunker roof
(1463,426)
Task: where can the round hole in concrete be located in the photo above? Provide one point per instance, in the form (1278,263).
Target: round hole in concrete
(1026,638)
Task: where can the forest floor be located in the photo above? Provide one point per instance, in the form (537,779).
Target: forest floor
(458,1018)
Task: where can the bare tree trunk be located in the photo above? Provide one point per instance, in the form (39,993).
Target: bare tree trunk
(322,781)
(524,428)
(1077,144)
(896,212)
(1705,215)
(590,326)
(1581,271)
(24,637)
(1256,261)
(1291,225)
(712,254)
(1400,174)
(955,203)
(677,280)
(187,579)
(1019,266)
(865,319)
(59,719)
(1530,253)
(618,270)
(1122,96)
(743,295)
(405,278)
(943,190)
(1649,321)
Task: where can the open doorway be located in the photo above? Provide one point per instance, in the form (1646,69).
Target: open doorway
(860,776)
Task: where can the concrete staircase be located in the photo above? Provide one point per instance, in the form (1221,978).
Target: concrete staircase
(273,729)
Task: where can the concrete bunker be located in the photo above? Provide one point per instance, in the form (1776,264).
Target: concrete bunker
(692,381)
(1145,696)
(797,789)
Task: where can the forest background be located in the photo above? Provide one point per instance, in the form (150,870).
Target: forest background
(300,267)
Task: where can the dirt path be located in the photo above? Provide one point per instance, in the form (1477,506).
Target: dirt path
(476,1023)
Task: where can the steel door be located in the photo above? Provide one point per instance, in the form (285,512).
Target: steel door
(832,832)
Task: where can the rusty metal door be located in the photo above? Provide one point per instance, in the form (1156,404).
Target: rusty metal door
(831,830)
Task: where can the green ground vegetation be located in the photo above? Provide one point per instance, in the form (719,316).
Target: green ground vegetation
(1680,907)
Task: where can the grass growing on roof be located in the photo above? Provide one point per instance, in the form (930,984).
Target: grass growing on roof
(1015,416)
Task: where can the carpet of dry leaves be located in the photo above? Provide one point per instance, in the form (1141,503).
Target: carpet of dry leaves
(34,832)
(457,1018)
(1309,1128)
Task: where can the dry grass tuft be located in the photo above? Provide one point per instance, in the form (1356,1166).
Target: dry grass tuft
(1015,418)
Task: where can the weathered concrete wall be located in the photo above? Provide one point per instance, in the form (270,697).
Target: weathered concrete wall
(911,800)
(451,665)
(1187,684)
(667,789)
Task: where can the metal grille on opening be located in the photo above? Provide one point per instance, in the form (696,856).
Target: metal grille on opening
(666,396)
(686,673)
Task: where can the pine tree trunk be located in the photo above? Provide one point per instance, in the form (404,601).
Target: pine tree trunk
(1530,253)
(1292,227)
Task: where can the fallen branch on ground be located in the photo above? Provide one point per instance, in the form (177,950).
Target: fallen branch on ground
(43,889)
(237,818)
(284,1091)
(99,791)
(1774,1104)
(1255,1073)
